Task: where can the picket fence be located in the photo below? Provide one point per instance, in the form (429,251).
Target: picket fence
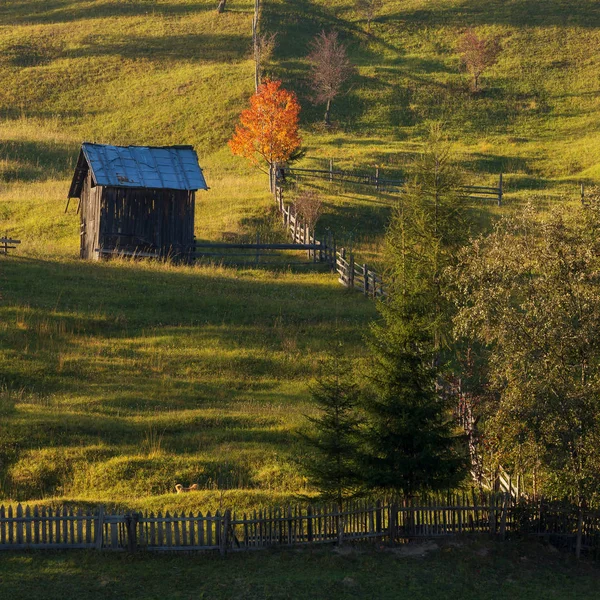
(496,515)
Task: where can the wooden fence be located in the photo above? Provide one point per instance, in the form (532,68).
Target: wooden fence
(352,275)
(442,515)
(359,277)
(7,244)
(383,184)
(318,251)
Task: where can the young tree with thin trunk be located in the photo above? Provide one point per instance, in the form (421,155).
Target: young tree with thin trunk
(268,130)
(368,9)
(330,69)
(478,54)
(309,205)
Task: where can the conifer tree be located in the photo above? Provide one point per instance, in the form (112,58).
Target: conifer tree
(330,461)
(410,444)
(409,435)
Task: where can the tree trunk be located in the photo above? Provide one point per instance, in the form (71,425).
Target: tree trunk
(221,6)
(327,112)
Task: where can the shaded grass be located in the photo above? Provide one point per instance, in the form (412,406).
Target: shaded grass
(469,571)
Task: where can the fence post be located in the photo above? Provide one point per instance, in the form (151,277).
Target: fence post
(225,520)
(392,523)
(492,513)
(330,170)
(100,528)
(378,524)
(504,515)
(500,191)
(366,280)
(131,526)
(333,260)
(351,272)
(582,190)
(339,525)
(309,523)
(377,178)
(295,225)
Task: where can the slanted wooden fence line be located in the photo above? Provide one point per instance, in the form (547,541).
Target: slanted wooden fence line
(351,274)
(495,515)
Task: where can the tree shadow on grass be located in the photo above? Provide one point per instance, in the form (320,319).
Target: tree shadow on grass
(200,47)
(27,160)
(65,11)
(517,13)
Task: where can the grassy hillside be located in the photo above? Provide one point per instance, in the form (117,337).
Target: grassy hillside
(535,119)
(126,73)
(121,379)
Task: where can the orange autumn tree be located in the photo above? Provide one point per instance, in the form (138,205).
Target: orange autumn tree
(268,130)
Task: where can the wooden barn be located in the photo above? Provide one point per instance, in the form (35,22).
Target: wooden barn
(136,200)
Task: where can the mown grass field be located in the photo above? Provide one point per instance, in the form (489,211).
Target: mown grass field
(469,571)
(121,379)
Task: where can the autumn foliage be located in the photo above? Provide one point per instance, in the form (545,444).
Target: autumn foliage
(268,130)
(478,54)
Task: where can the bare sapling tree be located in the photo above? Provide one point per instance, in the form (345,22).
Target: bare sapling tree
(478,54)
(309,206)
(221,6)
(330,69)
(368,9)
(264,46)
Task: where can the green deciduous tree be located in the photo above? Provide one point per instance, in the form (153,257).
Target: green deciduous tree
(529,293)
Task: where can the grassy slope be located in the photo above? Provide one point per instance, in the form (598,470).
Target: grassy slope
(122,379)
(471,572)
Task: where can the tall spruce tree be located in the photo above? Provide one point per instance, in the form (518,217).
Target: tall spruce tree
(410,444)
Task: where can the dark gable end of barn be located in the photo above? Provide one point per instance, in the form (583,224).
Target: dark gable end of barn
(137,200)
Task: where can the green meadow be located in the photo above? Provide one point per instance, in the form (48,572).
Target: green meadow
(120,379)
(470,570)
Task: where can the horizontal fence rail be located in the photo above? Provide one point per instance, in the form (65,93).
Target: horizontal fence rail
(7,244)
(474,192)
(498,515)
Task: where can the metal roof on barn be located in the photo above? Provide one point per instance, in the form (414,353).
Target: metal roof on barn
(167,167)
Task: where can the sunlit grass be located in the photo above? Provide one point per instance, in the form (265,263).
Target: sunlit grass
(121,379)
